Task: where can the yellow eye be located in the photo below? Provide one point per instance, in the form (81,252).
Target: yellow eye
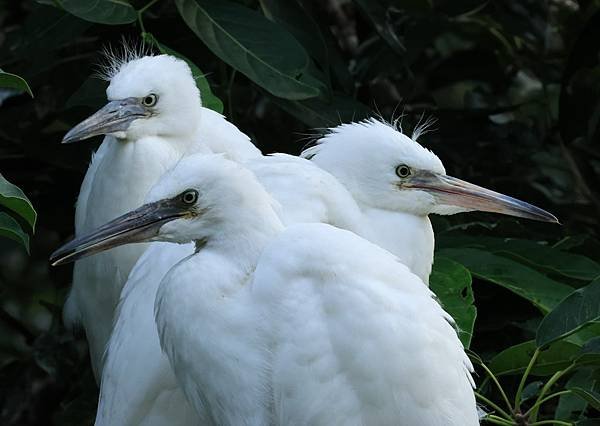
(403,171)
(190,196)
(150,100)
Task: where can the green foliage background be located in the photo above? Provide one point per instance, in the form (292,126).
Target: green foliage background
(514,86)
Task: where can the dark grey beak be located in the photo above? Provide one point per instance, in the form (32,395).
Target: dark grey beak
(138,226)
(455,192)
(115,116)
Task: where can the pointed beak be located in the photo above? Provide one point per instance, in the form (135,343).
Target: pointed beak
(138,226)
(451,191)
(115,116)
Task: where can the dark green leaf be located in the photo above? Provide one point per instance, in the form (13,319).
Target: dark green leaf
(209,100)
(531,390)
(577,310)
(12,81)
(451,282)
(10,228)
(514,360)
(590,352)
(541,255)
(593,398)
(528,283)
(291,15)
(253,45)
(569,406)
(110,12)
(316,38)
(14,199)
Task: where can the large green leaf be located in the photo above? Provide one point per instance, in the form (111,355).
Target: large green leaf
(253,45)
(593,398)
(111,12)
(10,228)
(580,308)
(569,406)
(541,255)
(209,100)
(14,199)
(526,282)
(451,282)
(514,360)
(295,16)
(12,81)
(590,352)
(291,15)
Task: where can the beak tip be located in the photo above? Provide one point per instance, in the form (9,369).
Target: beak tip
(54,260)
(70,138)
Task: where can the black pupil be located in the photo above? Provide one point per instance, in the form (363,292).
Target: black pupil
(189,197)
(148,100)
(404,171)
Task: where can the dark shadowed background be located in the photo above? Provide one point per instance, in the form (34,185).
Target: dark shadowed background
(513,85)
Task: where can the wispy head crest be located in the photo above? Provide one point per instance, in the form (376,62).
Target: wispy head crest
(114,57)
(423,126)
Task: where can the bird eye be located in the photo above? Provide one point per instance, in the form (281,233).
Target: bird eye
(190,196)
(150,100)
(403,171)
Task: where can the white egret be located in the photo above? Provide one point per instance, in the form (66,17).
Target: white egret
(397,183)
(311,325)
(153,118)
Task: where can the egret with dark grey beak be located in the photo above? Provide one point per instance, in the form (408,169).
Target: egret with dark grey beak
(153,118)
(262,313)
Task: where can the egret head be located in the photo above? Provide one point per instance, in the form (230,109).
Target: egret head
(385,169)
(203,198)
(147,96)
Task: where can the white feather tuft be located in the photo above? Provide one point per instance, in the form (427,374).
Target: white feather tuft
(423,126)
(113,58)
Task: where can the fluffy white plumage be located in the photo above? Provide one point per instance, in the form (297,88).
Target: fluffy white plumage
(310,326)
(363,156)
(123,170)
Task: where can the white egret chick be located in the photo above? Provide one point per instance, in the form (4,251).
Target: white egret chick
(153,118)
(307,325)
(397,183)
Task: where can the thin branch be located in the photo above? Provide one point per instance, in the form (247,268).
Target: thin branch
(524,379)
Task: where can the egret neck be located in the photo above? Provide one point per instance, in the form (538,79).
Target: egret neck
(223,314)
(410,237)
(124,173)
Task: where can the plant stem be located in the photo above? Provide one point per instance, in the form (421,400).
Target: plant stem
(554,395)
(493,405)
(524,379)
(495,380)
(497,420)
(547,386)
